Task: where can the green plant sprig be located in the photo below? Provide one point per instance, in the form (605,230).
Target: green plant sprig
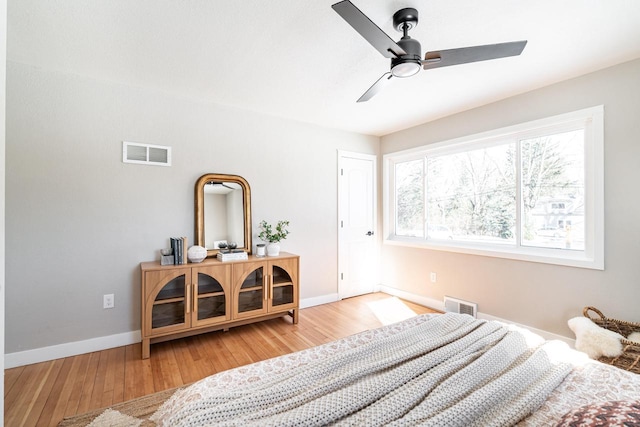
(267,233)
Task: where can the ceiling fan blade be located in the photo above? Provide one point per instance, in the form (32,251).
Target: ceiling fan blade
(377,87)
(367,29)
(463,55)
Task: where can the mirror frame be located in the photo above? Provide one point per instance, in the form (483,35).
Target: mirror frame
(199,208)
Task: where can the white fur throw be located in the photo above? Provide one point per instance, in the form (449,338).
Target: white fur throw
(594,340)
(634,336)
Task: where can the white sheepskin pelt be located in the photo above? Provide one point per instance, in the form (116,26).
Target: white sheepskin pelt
(594,340)
(634,336)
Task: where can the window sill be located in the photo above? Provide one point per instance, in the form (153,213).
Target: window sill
(546,256)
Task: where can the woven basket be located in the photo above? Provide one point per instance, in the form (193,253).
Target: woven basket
(630,357)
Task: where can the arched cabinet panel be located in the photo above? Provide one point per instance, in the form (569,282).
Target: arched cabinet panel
(249,289)
(164,301)
(168,306)
(211,297)
(283,289)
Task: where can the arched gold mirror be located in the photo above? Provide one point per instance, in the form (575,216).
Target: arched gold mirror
(223,212)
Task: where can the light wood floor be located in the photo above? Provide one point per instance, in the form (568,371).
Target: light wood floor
(43,393)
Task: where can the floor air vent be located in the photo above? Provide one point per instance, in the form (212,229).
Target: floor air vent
(455,305)
(146,154)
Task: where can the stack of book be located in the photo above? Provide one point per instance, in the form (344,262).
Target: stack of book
(234,255)
(179,246)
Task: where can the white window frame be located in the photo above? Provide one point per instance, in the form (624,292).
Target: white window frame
(591,119)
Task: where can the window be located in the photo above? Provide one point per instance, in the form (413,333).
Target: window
(532,191)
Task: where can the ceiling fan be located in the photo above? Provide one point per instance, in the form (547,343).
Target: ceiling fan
(406,54)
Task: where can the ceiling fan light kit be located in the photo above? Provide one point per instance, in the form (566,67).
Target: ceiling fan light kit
(406,53)
(405,69)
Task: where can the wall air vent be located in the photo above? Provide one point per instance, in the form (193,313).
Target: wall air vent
(146,154)
(454,305)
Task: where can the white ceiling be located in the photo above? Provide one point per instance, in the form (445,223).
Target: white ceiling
(299,59)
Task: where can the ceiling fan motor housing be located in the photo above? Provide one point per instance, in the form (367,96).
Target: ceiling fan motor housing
(409,64)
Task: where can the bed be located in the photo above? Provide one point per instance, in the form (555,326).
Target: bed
(433,369)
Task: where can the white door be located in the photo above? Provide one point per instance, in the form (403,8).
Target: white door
(357,254)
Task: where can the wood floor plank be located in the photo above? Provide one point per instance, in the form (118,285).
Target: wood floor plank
(190,369)
(269,333)
(89,383)
(197,348)
(24,397)
(138,373)
(58,396)
(44,393)
(113,390)
(166,374)
(100,380)
(242,354)
(11,378)
(262,344)
(282,335)
(220,357)
(118,385)
(317,337)
(76,381)
(17,377)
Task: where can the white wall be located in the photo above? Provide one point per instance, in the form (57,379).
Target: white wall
(79,221)
(3,68)
(539,295)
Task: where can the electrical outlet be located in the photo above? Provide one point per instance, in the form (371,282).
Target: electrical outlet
(108,301)
(433,277)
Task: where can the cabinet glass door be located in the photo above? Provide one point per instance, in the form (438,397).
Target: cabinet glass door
(251,293)
(282,292)
(212,299)
(169,305)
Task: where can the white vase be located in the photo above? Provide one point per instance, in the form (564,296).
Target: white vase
(196,254)
(273,249)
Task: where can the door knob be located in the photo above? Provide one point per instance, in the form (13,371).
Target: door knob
(369,233)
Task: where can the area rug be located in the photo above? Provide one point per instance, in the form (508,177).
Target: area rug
(133,413)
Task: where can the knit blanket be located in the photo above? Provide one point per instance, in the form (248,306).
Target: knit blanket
(449,370)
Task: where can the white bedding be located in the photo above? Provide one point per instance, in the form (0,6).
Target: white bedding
(580,381)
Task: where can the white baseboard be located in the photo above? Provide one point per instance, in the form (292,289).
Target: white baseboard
(27,357)
(418,299)
(439,305)
(544,334)
(37,355)
(324,299)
